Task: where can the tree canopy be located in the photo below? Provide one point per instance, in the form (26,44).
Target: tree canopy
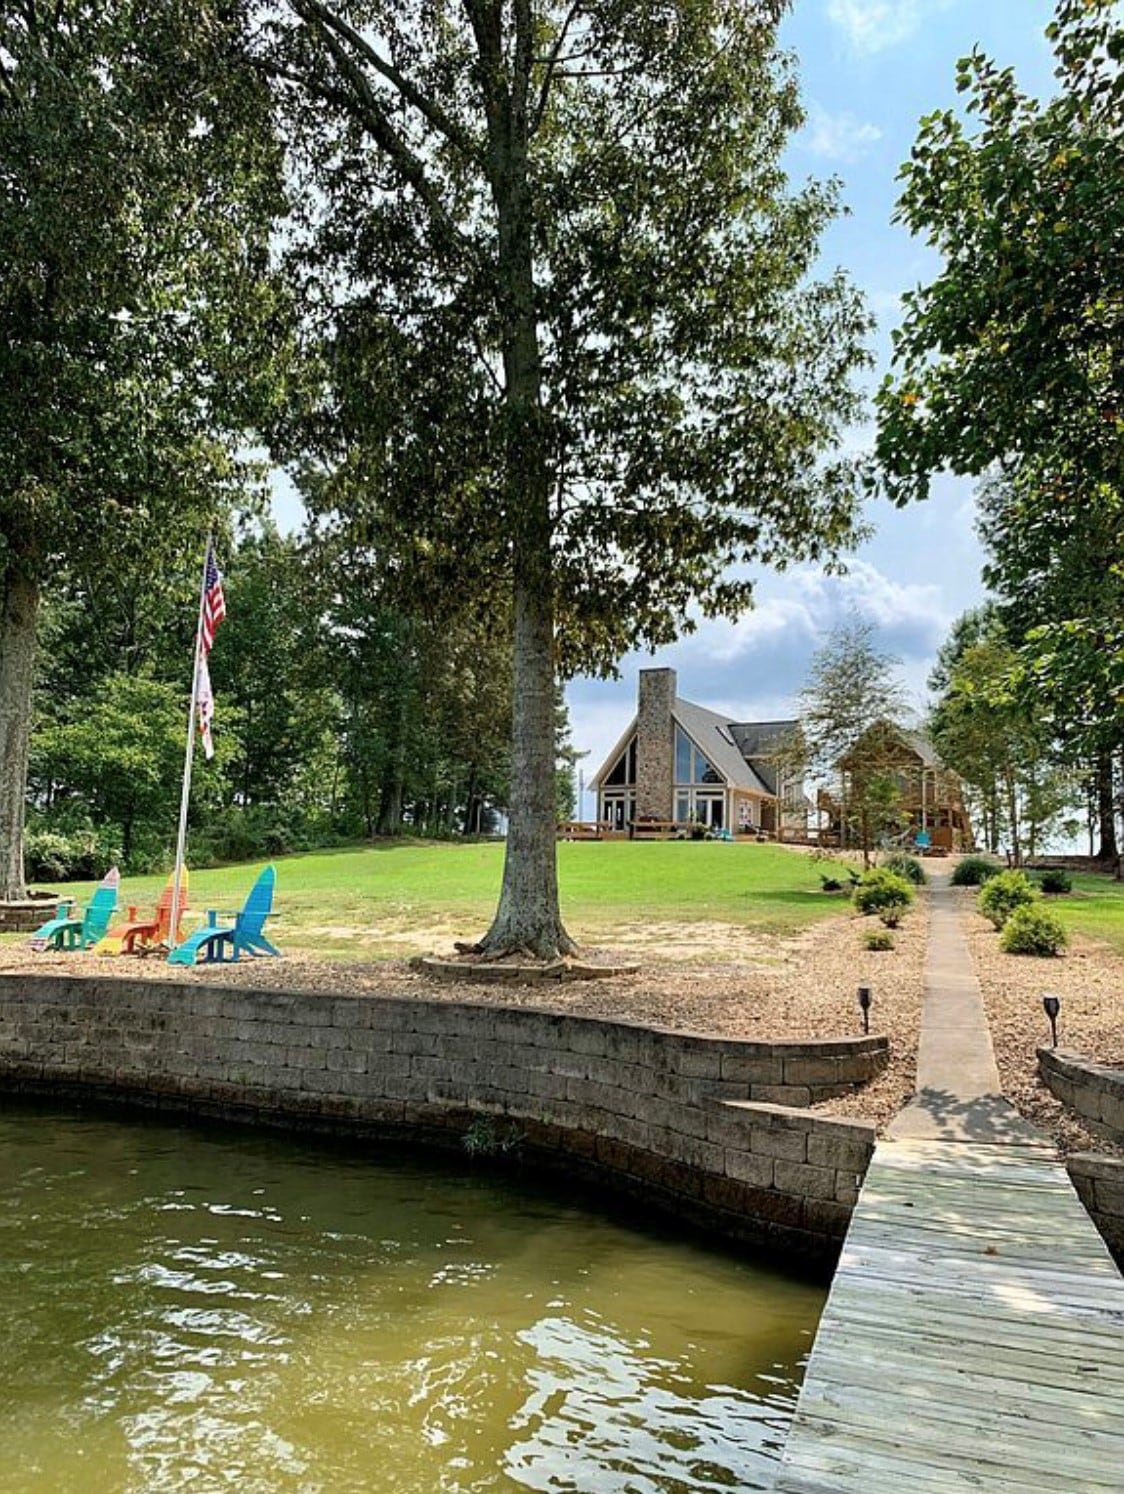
(1012,356)
(138,183)
(565,345)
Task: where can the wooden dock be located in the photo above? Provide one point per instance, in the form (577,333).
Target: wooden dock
(973,1338)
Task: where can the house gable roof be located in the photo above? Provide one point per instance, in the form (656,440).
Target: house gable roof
(717,739)
(759,741)
(914,742)
(713,736)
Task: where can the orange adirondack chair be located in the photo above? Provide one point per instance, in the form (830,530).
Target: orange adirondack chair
(139,935)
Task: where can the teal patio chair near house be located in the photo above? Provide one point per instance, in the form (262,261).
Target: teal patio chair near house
(68,931)
(246,935)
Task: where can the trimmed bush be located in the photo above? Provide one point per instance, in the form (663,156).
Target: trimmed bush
(1033,930)
(973,871)
(906,866)
(1055,883)
(885,893)
(879,939)
(1002,894)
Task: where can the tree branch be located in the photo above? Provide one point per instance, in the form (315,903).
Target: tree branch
(552,62)
(442,122)
(365,103)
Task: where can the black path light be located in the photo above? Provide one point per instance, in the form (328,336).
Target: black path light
(1052,1006)
(864,1006)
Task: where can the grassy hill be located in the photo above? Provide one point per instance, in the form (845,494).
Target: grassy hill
(388,900)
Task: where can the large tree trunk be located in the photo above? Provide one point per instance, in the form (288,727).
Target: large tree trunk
(390,806)
(1106,809)
(529,915)
(19,608)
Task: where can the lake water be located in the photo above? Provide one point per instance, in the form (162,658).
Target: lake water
(217,1309)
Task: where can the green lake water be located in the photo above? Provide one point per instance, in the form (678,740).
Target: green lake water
(209,1309)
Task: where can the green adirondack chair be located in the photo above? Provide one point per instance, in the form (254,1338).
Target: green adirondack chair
(245,936)
(67,932)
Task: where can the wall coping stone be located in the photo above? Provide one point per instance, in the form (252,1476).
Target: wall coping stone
(1097,1165)
(1094,1090)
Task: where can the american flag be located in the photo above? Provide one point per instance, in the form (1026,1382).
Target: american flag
(214,604)
(213,612)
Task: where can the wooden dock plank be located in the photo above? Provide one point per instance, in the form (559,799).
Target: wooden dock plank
(973,1338)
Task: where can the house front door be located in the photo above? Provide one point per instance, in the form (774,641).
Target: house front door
(710,809)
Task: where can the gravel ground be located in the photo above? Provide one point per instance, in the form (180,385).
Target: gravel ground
(793,988)
(1089,979)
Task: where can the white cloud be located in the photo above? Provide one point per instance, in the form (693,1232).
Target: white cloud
(838,137)
(875,25)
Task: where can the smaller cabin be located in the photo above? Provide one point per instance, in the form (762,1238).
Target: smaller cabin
(931,807)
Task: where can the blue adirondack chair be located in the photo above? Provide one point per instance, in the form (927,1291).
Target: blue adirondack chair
(67,931)
(246,935)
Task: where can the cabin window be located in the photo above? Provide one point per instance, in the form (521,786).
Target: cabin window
(624,769)
(690,765)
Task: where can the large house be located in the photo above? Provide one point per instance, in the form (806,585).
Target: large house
(679,765)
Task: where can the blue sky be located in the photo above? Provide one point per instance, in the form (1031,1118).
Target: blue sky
(870,70)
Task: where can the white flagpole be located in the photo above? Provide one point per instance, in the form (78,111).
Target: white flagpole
(181,839)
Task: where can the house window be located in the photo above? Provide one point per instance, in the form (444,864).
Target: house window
(683,809)
(623,770)
(690,765)
(682,758)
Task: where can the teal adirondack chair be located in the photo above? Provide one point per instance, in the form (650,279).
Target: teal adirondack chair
(66,931)
(246,935)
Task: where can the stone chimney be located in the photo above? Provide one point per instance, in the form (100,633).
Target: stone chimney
(654,745)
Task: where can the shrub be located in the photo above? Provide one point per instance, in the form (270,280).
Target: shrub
(885,893)
(879,939)
(973,871)
(1032,930)
(63,852)
(1055,882)
(1002,894)
(906,866)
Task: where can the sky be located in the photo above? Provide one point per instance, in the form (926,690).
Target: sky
(870,70)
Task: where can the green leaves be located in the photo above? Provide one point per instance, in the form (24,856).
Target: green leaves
(1012,353)
(690,378)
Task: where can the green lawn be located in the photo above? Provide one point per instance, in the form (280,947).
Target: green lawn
(1095,908)
(386,901)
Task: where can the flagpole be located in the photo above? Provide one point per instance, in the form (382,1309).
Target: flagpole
(185,796)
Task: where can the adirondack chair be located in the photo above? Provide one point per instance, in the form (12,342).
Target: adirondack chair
(139,935)
(65,931)
(246,935)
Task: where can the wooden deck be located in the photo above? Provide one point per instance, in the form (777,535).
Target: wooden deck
(973,1338)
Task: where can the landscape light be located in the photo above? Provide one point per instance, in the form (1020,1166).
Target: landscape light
(1053,1005)
(864,1006)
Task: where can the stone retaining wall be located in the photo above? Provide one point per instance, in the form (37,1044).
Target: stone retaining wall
(1094,1090)
(1100,1185)
(27,914)
(700,1125)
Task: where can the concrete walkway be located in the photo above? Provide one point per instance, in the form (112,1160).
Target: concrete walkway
(974,1334)
(959,1097)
